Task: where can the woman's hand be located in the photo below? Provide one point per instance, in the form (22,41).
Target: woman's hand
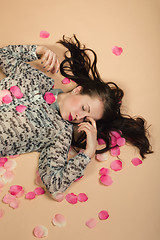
(48,58)
(91,131)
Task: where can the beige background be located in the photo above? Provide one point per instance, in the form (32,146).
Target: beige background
(133,199)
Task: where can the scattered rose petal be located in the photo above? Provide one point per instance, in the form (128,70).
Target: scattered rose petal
(103,215)
(116,165)
(3,93)
(14,204)
(16,190)
(78,179)
(104,171)
(30,195)
(39,191)
(117,50)
(10,165)
(66,81)
(2,170)
(21,108)
(101,141)
(71,198)
(116,134)
(59,197)
(115,151)
(8,198)
(49,97)
(136,161)
(1,213)
(106,180)
(40,231)
(7,99)
(44,34)
(3,161)
(113,141)
(16,92)
(102,157)
(91,223)
(59,220)
(82,197)
(121,141)
(7,176)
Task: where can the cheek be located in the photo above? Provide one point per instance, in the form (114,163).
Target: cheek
(73,103)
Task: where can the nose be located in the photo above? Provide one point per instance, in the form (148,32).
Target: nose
(80,116)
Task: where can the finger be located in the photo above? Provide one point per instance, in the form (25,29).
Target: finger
(53,60)
(49,61)
(85,124)
(92,121)
(45,56)
(58,65)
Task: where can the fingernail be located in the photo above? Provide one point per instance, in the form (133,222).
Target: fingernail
(43,67)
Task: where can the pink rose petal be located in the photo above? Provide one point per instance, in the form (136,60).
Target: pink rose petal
(116,165)
(49,97)
(121,141)
(104,171)
(1,183)
(39,191)
(113,141)
(59,197)
(66,81)
(44,34)
(71,198)
(2,170)
(3,93)
(59,220)
(3,161)
(10,165)
(14,204)
(8,176)
(117,50)
(102,157)
(40,231)
(21,108)
(91,223)
(8,198)
(101,141)
(16,190)
(16,92)
(136,161)
(30,195)
(106,180)
(1,213)
(7,99)
(116,134)
(82,197)
(115,151)
(103,215)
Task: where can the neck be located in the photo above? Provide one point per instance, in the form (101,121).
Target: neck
(61,97)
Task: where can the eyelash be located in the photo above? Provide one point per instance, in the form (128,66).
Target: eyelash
(83,108)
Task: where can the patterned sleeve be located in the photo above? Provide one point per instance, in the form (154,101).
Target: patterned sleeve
(12,55)
(55,171)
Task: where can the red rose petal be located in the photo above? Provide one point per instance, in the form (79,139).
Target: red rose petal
(71,198)
(115,151)
(15,189)
(136,161)
(66,81)
(82,197)
(44,34)
(39,191)
(101,141)
(117,50)
(49,97)
(106,180)
(16,92)
(121,141)
(30,195)
(116,165)
(21,108)
(7,99)
(103,215)
(3,161)
(116,134)
(104,171)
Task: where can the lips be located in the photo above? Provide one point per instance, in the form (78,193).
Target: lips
(70,118)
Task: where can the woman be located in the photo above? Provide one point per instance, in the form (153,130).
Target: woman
(47,127)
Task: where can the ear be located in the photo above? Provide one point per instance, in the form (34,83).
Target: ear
(77,90)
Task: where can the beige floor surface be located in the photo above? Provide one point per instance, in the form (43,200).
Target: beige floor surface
(133,199)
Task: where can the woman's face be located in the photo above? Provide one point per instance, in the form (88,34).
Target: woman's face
(74,107)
